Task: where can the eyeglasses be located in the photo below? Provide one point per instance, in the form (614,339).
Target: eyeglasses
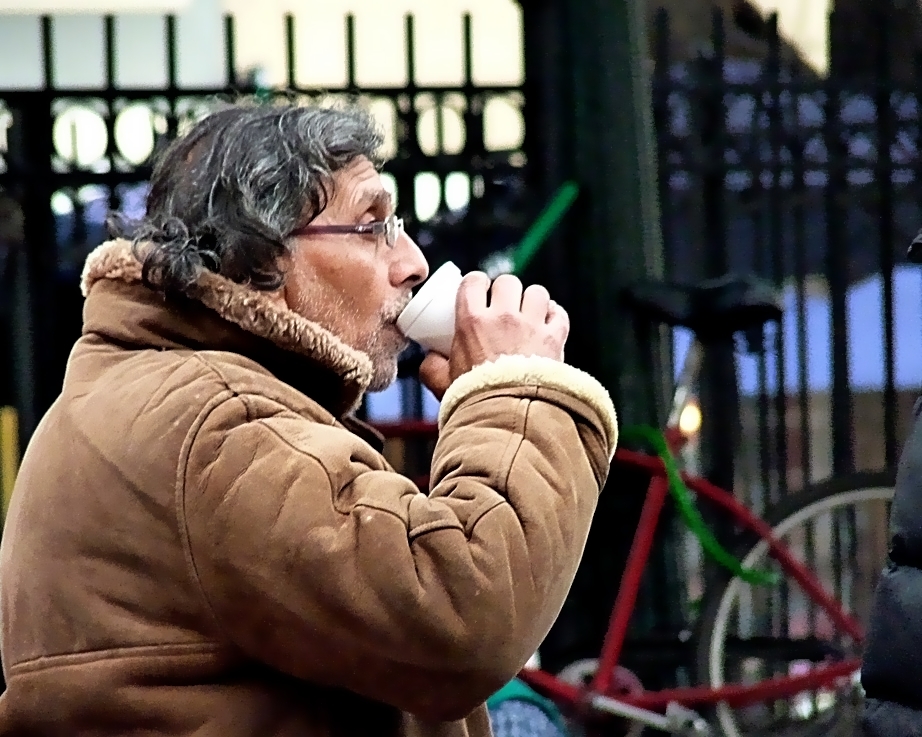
(390,228)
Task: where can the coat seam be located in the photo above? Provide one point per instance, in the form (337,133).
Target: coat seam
(358,505)
(301,451)
(181,481)
(519,435)
(181,492)
(525,418)
(88,657)
(517,439)
(413,533)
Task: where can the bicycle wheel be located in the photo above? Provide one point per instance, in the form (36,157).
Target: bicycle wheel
(748,633)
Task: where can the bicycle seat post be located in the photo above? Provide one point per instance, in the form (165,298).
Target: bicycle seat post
(720,408)
(685,386)
(714,310)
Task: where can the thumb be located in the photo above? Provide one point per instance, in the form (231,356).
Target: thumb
(434,374)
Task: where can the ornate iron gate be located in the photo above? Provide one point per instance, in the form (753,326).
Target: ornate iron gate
(67,161)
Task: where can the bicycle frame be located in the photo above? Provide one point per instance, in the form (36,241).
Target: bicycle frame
(735,695)
(657,492)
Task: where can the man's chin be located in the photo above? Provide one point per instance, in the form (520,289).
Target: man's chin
(384,357)
(384,376)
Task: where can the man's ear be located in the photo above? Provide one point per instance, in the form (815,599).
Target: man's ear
(278,297)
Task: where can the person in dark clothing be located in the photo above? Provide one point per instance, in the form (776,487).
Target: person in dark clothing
(891,673)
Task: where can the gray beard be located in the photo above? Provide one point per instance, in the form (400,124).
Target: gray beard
(379,347)
(382,377)
(383,360)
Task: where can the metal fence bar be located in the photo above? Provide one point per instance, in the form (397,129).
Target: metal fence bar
(799,247)
(720,398)
(169,29)
(779,488)
(661,85)
(351,54)
(291,70)
(111,105)
(31,153)
(411,391)
(885,206)
(837,253)
(230,51)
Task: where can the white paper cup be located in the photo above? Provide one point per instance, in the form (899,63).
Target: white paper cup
(429,319)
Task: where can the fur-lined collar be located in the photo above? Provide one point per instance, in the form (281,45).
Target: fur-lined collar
(249,309)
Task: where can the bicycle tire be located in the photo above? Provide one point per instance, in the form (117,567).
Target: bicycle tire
(721,587)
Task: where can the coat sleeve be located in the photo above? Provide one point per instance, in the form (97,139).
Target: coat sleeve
(318,560)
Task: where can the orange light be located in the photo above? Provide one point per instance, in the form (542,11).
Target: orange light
(690,419)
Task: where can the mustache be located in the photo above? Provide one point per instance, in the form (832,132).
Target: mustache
(393,311)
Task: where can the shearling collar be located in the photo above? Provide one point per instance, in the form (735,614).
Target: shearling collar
(250,310)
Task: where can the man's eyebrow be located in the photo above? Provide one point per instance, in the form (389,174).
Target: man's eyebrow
(376,198)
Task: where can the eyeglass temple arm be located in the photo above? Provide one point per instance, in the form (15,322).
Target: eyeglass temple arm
(338,228)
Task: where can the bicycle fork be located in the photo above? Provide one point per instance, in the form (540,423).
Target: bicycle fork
(677,721)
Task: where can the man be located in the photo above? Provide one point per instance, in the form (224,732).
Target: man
(203,542)
(891,671)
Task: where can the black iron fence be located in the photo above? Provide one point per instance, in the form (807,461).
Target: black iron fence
(814,181)
(811,180)
(765,165)
(69,159)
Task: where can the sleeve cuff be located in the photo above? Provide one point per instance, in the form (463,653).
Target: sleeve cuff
(517,371)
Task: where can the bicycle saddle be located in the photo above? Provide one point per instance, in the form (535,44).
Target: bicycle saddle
(716,308)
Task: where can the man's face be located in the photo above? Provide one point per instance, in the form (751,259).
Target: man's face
(355,285)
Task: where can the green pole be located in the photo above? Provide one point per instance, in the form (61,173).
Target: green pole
(588,116)
(540,231)
(588,112)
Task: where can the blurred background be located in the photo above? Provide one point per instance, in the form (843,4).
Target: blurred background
(778,138)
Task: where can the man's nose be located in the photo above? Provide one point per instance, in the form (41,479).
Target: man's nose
(410,266)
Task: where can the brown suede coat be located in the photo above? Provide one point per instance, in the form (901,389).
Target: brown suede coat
(199,544)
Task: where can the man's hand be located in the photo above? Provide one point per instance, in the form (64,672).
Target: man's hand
(435,374)
(515,322)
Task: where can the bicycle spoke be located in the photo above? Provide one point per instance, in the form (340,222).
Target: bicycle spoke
(758,632)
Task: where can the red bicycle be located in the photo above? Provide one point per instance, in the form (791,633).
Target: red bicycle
(779,635)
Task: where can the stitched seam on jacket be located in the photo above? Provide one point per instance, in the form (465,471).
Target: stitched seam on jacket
(510,453)
(301,451)
(516,438)
(322,465)
(358,505)
(425,528)
(88,657)
(180,493)
(311,405)
(521,425)
(185,532)
(412,533)
(525,417)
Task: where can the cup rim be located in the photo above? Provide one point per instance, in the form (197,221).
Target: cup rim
(408,317)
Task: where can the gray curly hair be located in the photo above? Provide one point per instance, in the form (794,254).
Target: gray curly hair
(227,194)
